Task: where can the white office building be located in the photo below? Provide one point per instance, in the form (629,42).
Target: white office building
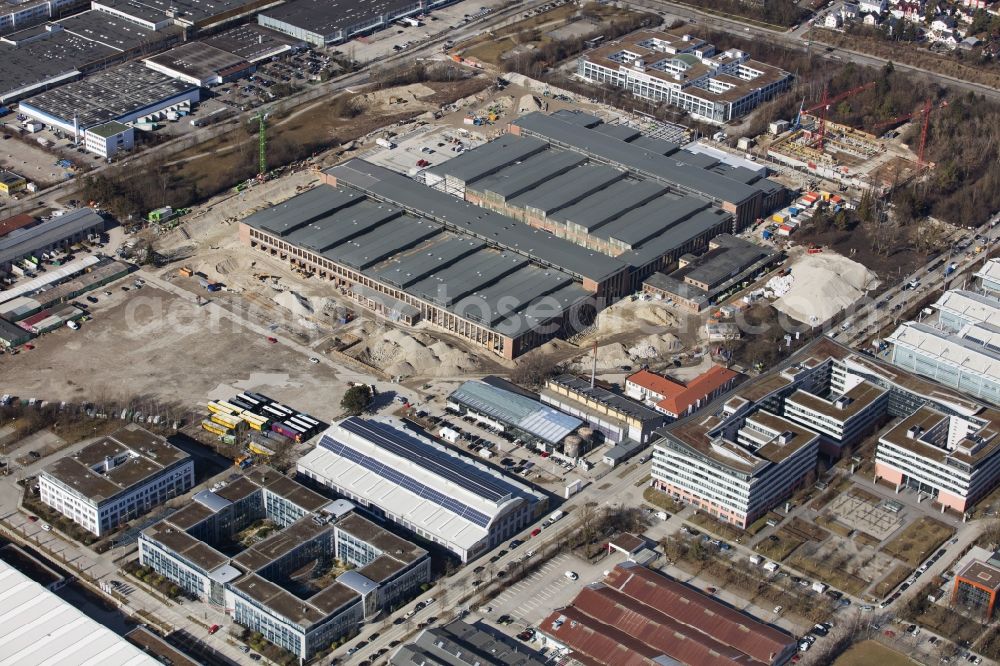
(840,419)
(117,478)
(445,497)
(958,308)
(968,360)
(738,468)
(954,459)
(108,139)
(686,72)
(989,277)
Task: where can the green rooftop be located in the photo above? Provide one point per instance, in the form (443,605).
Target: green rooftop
(108,129)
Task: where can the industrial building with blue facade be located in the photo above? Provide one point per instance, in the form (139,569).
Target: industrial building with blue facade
(260,585)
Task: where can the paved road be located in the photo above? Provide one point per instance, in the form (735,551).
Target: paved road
(794,39)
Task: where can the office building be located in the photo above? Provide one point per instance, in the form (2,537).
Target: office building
(638,616)
(108,139)
(499,404)
(733,458)
(686,72)
(968,360)
(443,496)
(842,419)
(209,549)
(729,265)
(954,459)
(976,587)
(39,627)
(412,254)
(677,399)
(615,416)
(57,232)
(958,308)
(989,276)
(116,479)
(460,644)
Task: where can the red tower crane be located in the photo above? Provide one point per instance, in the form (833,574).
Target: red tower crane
(825,104)
(924,111)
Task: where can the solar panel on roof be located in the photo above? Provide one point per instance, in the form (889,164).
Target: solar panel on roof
(437,462)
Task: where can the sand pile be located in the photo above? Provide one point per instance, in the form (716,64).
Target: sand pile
(401,354)
(626,315)
(613,356)
(296,303)
(529,103)
(823,285)
(655,346)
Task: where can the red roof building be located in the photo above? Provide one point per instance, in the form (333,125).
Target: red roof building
(14,223)
(676,399)
(638,617)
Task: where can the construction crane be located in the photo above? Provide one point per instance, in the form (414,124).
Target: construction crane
(825,105)
(925,112)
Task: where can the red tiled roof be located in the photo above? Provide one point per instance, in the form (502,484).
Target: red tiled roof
(15,222)
(639,615)
(677,397)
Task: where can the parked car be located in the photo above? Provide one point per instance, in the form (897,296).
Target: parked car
(214,628)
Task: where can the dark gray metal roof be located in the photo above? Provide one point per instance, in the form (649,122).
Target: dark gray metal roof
(497,230)
(646,222)
(439,253)
(25,241)
(618,131)
(710,220)
(675,169)
(660,146)
(472,165)
(329,17)
(302,209)
(615,401)
(609,203)
(501,290)
(568,188)
(461,644)
(522,176)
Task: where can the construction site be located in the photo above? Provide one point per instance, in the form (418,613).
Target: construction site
(845,154)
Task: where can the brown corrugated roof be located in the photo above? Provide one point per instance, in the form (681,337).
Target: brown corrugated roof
(639,615)
(16,222)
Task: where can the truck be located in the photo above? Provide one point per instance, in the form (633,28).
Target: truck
(385,143)
(556,515)
(950,268)
(819,587)
(448,435)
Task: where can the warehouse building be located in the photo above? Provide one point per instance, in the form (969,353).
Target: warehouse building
(685,72)
(18,16)
(616,417)
(414,254)
(460,644)
(57,232)
(733,458)
(199,549)
(702,281)
(190,15)
(322,23)
(39,627)
(15,222)
(254,43)
(445,497)
(116,479)
(640,222)
(968,360)
(954,459)
(744,193)
(129,93)
(200,64)
(638,616)
(498,404)
(12,335)
(12,183)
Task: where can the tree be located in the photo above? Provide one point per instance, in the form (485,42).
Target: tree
(356,399)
